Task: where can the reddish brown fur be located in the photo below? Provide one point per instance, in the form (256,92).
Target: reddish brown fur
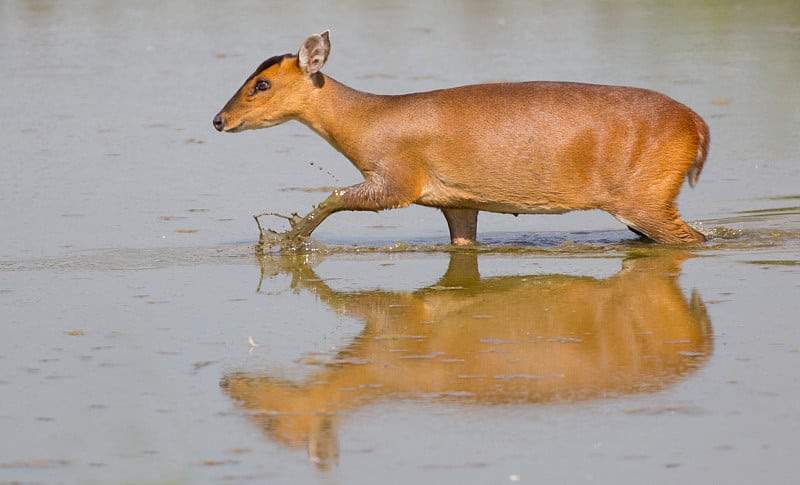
(535,147)
(554,338)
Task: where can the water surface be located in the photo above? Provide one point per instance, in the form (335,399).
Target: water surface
(145,342)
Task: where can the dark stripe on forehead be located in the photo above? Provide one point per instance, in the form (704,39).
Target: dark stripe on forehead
(269,63)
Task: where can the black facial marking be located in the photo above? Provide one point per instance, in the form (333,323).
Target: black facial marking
(267,64)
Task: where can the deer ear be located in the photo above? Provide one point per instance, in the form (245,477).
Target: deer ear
(314,52)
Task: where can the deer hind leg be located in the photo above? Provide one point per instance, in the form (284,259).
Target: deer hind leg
(463,224)
(664,226)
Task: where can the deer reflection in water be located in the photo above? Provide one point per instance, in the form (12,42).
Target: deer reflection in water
(500,340)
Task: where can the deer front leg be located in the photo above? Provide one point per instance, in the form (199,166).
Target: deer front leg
(302,229)
(374,194)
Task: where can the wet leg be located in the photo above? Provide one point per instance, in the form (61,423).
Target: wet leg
(635,231)
(302,229)
(463,224)
(374,194)
(664,227)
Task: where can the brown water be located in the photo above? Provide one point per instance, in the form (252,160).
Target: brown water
(146,343)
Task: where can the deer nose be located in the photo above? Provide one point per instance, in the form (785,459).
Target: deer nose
(219,122)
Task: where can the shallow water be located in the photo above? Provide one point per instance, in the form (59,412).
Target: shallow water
(147,343)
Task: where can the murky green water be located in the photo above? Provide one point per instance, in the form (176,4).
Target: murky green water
(145,342)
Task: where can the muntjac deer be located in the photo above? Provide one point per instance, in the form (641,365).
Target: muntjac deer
(515,148)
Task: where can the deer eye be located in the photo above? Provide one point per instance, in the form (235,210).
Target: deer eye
(262,85)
